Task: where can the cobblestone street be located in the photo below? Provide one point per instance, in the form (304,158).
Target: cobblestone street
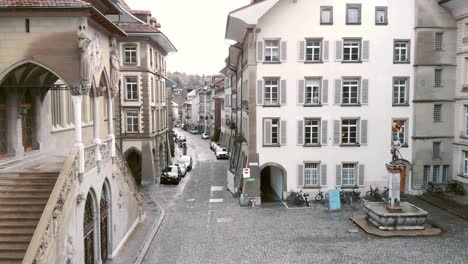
(204,224)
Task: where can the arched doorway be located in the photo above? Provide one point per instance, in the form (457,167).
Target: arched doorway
(272,183)
(133,157)
(89,230)
(104,221)
(28,122)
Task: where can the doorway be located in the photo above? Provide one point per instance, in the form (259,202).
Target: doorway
(272,184)
(133,157)
(104,220)
(3,124)
(89,231)
(28,122)
(403,180)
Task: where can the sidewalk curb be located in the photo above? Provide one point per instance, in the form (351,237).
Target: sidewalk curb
(153,233)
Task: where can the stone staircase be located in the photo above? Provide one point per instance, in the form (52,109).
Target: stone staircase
(23,197)
(444,202)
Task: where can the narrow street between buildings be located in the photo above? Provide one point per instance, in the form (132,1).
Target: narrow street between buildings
(205,224)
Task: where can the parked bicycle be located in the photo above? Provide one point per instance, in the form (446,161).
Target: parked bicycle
(431,187)
(320,197)
(385,194)
(455,187)
(299,198)
(373,194)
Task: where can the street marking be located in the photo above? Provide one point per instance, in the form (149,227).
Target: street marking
(216,200)
(217,188)
(190,200)
(224,220)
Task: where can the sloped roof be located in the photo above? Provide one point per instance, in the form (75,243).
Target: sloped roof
(44,3)
(132,28)
(141,12)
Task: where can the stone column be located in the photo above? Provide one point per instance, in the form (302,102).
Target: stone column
(96,127)
(110,123)
(78,91)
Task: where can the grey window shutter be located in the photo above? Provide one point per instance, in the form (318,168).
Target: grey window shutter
(300,175)
(364,132)
(339,50)
(365,50)
(365,92)
(283,92)
(300,92)
(338,175)
(406,131)
(260,92)
(338,91)
(407,90)
(283,135)
(301,50)
(326,48)
(267,131)
(336,132)
(361,175)
(300,132)
(323,175)
(324,132)
(284,51)
(259,51)
(325,92)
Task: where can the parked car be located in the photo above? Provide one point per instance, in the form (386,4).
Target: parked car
(221,153)
(182,167)
(171,174)
(214,145)
(205,136)
(187,160)
(195,132)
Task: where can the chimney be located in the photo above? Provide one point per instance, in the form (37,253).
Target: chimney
(154,23)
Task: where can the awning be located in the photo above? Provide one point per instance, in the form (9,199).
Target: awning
(246,17)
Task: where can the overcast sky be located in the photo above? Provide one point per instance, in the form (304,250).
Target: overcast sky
(196,28)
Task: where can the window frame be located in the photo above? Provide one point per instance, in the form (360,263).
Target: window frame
(131,62)
(312,126)
(436,149)
(406,91)
(312,169)
(466,121)
(385,10)
(352,169)
(438,77)
(405,131)
(407,43)
(326,8)
(136,88)
(137,116)
(320,47)
(465,163)
(445,173)
(349,132)
(353,6)
(277,126)
(427,170)
(319,91)
(358,91)
(278,83)
(437,110)
(439,41)
(350,41)
(278,47)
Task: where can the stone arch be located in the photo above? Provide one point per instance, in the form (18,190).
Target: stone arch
(20,63)
(273,182)
(105,221)
(91,248)
(133,156)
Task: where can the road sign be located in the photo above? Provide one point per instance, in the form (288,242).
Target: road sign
(251,179)
(246,172)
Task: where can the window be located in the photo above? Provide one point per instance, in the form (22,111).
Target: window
(381,15)
(311,174)
(400,91)
(352,50)
(271,50)
(271,92)
(349,173)
(349,131)
(353,14)
(151,57)
(399,131)
(436,150)
(130,54)
(312,91)
(445,173)
(401,51)
(313,50)
(426,174)
(438,77)
(350,92)
(439,40)
(326,15)
(311,130)
(437,113)
(132,121)
(275,131)
(153,91)
(466,121)
(27,25)
(435,173)
(465,162)
(131,87)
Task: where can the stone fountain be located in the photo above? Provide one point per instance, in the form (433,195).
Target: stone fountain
(393,214)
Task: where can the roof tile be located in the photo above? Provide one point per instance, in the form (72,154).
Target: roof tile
(43,3)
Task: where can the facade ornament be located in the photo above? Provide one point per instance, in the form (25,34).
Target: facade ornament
(86,63)
(81,197)
(70,250)
(396,155)
(115,68)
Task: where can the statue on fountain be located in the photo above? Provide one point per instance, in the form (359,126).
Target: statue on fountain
(396,155)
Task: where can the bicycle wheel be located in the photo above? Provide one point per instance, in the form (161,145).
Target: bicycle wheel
(369,194)
(318,197)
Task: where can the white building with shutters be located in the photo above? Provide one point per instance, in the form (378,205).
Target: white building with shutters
(329,89)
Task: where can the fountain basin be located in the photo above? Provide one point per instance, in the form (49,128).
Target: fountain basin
(411,217)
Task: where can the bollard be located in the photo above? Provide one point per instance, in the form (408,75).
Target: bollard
(253,203)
